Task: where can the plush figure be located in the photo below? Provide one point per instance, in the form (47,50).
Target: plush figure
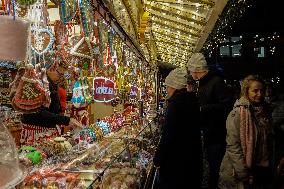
(78,99)
(31,153)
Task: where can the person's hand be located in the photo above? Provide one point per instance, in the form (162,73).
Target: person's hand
(74,123)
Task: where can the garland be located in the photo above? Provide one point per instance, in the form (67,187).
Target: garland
(67,10)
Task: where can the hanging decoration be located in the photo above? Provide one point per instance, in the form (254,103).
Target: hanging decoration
(26,3)
(133,92)
(67,10)
(83,48)
(28,93)
(86,16)
(42,41)
(143,25)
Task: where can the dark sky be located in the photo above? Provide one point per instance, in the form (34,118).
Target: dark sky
(264,16)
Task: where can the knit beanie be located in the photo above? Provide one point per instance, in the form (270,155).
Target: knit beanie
(197,63)
(177,78)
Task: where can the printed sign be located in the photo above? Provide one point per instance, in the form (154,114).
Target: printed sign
(104,89)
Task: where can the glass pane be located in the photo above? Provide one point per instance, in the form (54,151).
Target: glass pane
(236,50)
(261,52)
(224,51)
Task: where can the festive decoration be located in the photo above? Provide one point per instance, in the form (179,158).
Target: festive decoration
(83,49)
(28,93)
(42,41)
(67,10)
(143,25)
(87,18)
(133,92)
(78,99)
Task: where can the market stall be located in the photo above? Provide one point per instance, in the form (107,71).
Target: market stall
(110,89)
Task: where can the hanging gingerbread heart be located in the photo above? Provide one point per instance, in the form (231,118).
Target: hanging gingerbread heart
(42,41)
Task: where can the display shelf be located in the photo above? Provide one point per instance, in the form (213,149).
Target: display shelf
(101,157)
(129,139)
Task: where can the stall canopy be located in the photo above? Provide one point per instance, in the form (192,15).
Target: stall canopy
(167,30)
(180,27)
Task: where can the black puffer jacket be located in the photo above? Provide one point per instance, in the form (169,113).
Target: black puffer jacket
(215,101)
(48,117)
(180,136)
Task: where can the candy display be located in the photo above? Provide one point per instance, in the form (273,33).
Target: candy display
(75,168)
(56,146)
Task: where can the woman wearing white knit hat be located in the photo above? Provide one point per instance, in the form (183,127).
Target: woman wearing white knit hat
(180,134)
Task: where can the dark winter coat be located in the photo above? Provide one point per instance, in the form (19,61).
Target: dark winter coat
(48,117)
(215,102)
(180,136)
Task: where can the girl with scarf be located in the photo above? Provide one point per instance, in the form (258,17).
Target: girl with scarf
(246,160)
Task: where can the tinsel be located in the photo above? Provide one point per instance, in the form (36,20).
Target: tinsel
(87,18)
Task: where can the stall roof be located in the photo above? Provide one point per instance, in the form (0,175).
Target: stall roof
(180,27)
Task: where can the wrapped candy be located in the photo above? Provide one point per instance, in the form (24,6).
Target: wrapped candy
(88,135)
(104,126)
(31,153)
(99,133)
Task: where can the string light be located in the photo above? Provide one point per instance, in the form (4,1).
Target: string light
(234,10)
